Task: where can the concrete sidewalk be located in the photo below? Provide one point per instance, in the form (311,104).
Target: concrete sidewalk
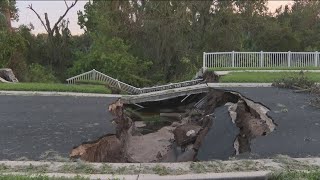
(208,176)
(45,93)
(231,169)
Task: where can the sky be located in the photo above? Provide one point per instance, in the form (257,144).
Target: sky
(55,8)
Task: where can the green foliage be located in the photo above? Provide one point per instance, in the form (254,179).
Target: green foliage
(146,43)
(9,44)
(3,22)
(112,58)
(11,5)
(160,170)
(38,73)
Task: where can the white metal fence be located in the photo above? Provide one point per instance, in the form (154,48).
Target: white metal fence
(260,59)
(95,75)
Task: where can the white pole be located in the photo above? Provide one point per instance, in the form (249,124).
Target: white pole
(289,58)
(316,59)
(204,62)
(232,58)
(261,58)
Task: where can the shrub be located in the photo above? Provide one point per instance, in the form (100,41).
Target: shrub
(38,73)
(294,82)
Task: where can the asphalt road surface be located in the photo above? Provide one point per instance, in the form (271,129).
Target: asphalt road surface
(32,127)
(298,123)
(36,127)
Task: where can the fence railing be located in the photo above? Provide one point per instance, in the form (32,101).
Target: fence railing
(95,75)
(260,59)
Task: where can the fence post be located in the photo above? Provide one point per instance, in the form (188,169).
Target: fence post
(289,58)
(232,58)
(93,74)
(204,61)
(316,59)
(261,59)
(119,84)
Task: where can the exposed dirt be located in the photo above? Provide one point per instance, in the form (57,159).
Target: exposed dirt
(105,149)
(180,139)
(210,77)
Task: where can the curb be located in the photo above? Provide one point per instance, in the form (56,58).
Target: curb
(239,85)
(225,176)
(44,93)
(255,169)
(209,176)
(55,93)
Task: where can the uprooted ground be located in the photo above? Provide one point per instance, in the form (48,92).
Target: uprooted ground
(181,139)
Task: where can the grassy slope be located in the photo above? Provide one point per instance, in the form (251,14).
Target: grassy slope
(54,87)
(263,77)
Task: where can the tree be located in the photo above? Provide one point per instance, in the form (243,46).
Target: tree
(3,22)
(9,10)
(58,36)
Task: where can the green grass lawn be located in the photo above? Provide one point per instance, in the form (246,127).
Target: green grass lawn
(265,68)
(54,87)
(91,82)
(263,77)
(296,175)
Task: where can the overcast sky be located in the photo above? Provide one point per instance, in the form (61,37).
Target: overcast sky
(57,8)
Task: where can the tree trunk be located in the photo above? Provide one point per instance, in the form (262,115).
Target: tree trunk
(8,16)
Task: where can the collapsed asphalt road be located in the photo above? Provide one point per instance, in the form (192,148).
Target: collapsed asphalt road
(298,123)
(33,126)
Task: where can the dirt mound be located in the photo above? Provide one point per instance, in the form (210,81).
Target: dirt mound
(105,149)
(210,77)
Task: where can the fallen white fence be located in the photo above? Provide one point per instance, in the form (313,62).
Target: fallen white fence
(95,75)
(260,59)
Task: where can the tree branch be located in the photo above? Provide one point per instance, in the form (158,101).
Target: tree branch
(65,13)
(65,2)
(30,7)
(47,23)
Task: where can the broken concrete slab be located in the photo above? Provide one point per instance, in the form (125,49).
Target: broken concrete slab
(3,80)
(152,147)
(186,133)
(8,75)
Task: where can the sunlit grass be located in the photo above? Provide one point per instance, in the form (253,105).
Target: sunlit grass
(54,87)
(263,77)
